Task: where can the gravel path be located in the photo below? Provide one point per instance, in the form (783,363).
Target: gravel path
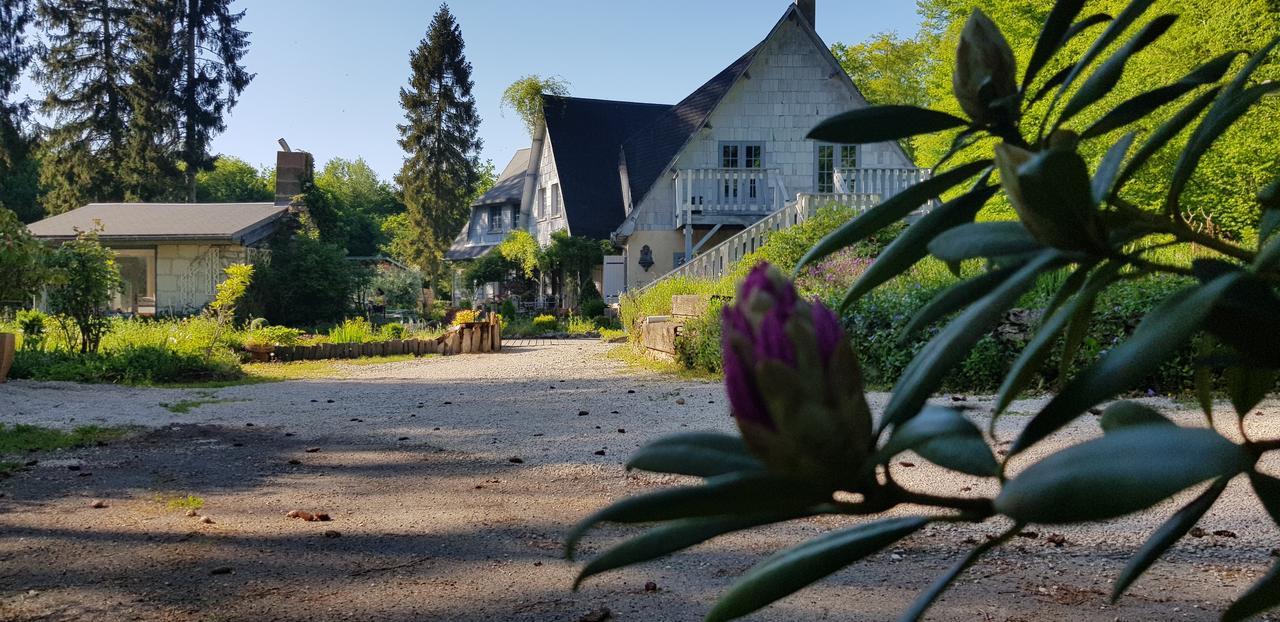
(451,482)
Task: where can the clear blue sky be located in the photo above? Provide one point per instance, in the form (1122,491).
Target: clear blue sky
(329,71)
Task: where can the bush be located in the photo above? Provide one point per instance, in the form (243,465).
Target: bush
(84,278)
(699,344)
(393,332)
(22,257)
(353,330)
(465,316)
(31,323)
(401,289)
(577,325)
(272,336)
(545,323)
(304,282)
(137,365)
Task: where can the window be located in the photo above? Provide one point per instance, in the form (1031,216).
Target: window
(741,156)
(495,219)
(137,282)
(555,199)
(835,157)
(542,203)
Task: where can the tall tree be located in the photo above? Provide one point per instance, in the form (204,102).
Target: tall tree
(440,171)
(888,70)
(85,78)
(210,52)
(18,187)
(525,97)
(149,171)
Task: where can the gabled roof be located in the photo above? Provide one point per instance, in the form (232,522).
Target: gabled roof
(648,153)
(240,223)
(509,186)
(586,136)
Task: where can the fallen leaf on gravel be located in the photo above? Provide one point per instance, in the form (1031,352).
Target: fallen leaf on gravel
(631,390)
(1197,532)
(403,438)
(295,461)
(1056,539)
(98,503)
(206,520)
(308,516)
(515,460)
(1224,533)
(221,570)
(907,465)
(583,413)
(651,587)
(599,615)
(332,534)
(680,401)
(312,450)
(622,431)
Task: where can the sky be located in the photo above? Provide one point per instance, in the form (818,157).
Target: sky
(329,71)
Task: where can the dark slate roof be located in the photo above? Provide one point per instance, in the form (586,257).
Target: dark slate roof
(241,223)
(649,151)
(509,186)
(463,252)
(587,135)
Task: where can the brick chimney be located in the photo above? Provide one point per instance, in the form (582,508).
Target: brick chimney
(809,9)
(291,168)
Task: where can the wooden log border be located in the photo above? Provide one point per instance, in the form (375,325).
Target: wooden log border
(475,337)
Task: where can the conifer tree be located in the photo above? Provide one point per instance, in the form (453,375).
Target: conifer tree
(210,49)
(85,78)
(440,171)
(149,171)
(18,176)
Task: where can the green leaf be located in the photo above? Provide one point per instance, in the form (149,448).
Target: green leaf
(1245,318)
(925,600)
(944,437)
(701,454)
(1170,532)
(1132,12)
(1263,595)
(738,493)
(1204,391)
(789,571)
(912,245)
(1140,106)
(954,298)
(1267,489)
(1163,330)
(1163,134)
(1108,74)
(1234,101)
(984,239)
(1124,471)
(1037,350)
(875,124)
(1104,178)
(892,210)
(1247,386)
(926,371)
(1269,256)
(1052,36)
(1121,415)
(675,536)
(1077,328)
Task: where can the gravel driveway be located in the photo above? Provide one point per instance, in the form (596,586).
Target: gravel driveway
(451,482)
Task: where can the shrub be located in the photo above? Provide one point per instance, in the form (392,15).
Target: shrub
(699,344)
(265,336)
(304,282)
(138,365)
(545,323)
(22,257)
(402,289)
(465,316)
(31,323)
(578,325)
(507,308)
(353,330)
(84,278)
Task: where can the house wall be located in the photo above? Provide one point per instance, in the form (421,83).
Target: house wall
(479,232)
(187,274)
(543,224)
(790,90)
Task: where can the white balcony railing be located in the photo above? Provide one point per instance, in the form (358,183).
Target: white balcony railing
(704,195)
(883,182)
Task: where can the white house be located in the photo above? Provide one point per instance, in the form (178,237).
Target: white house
(664,181)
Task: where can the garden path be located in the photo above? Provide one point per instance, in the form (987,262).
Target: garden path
(451,483)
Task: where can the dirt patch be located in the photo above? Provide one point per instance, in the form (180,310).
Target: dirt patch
(432,519)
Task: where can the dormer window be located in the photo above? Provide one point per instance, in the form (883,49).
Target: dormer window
(495,219)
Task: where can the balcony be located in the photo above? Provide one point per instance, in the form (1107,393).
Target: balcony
(727,196)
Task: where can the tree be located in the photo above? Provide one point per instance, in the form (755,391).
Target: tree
(149,171)
(304,282)
(18,168)
(807,441)
(211,77)
(84,277)
(85,78)
(22,260)
(232,180)
(888,70)
(439,136)
(361,202)
(525,97)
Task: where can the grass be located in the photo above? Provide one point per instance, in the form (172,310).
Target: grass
(635,358)
(22,437)
(181,502)
(185,406)
(306,370)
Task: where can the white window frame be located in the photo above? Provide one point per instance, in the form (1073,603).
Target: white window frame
(118,303)
(555,200)
(838,152)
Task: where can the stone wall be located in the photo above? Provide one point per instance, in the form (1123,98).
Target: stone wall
(188,274)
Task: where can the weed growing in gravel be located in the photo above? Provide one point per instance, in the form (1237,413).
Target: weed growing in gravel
(181,502)
(22,437)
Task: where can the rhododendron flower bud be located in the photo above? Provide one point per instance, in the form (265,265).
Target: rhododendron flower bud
(793,382)
(985,71)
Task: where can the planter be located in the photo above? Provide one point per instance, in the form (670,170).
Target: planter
(260,353)
(8,345)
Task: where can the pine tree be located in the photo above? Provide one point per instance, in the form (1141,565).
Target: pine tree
(149,171)
(85,77)
(209,54)
(18,187)
(440,171)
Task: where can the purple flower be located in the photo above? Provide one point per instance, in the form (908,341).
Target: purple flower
(792,380)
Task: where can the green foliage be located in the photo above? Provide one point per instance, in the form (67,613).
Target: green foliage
(22,438)
(304,282)
(32,324)
(22,260)
(1134,274)
(521,249)
(271,336)
(546,323)
(230,291)
(232,180)
(888,70)
(402,289)
(525,97)
(699,345)
(353,330)
(83,279)
(134,365)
